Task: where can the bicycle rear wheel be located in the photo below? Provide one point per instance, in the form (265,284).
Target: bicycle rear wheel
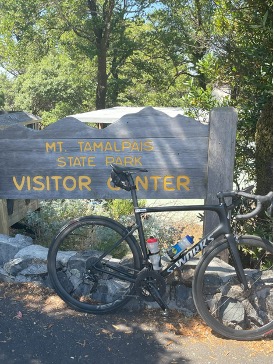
(92,265)
(221,299)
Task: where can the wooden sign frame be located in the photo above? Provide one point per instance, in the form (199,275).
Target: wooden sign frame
(69,159)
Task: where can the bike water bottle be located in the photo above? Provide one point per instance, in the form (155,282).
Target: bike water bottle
(154,253)
(182,245)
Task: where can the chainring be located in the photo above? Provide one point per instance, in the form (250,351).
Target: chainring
(146,277)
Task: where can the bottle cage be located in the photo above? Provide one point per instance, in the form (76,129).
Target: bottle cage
(120,180)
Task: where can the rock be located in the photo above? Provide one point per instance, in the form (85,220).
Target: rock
(183,297)
(4,277)
(9,246)
(232,311)
(35,268)
(33,251)
(23,261)
(15,266)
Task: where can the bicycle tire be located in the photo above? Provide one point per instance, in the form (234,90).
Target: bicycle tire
(71,258)
(221,300)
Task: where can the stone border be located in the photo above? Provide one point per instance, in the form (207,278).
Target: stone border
(22,261)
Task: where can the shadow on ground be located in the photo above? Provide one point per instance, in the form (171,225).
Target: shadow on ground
(37,328)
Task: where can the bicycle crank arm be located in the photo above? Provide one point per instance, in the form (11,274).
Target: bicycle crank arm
(156,295)
(151,286)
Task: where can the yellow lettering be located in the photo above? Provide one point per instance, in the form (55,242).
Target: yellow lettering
(128,161)
(183,181)
(125,145)
(36,180)
(81,146)
(143,183)
(61,162)
(109,160)
(168,183)
(28,183)
(137,161)
(84,181)
(55,146)
(135,146)
(88,147)
(108,147)
(98,146)
(148,145)
(118,160)
(77,162)
(50,146)
(70,160)
(40,183)
(48,183)
(91,162)
(66,180)
(19,186)
(155,182)
(116,148)
(111,187)
(56,179)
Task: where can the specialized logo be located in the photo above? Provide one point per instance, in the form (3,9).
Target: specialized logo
(140,210)
(190,254)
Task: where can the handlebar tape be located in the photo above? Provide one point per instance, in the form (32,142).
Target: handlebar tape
(260,200)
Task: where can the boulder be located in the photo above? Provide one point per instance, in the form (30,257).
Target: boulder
(10,246)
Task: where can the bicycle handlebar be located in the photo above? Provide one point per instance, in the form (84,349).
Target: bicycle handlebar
(258,198)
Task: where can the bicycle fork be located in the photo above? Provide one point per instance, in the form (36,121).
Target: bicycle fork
(236,259)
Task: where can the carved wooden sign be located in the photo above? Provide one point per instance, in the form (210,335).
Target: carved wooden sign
(69,159)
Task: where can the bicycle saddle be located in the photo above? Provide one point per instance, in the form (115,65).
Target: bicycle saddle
(121,169)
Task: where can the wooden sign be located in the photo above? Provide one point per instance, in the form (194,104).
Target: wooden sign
(69,159)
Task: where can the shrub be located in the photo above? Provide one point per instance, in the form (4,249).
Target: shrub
(52,215)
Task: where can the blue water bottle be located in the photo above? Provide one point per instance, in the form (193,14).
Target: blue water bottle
(182,245)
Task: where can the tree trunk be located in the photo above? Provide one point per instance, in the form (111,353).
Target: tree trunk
(101,90)
(264,150)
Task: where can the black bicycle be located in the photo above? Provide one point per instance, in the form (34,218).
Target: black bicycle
(97,265)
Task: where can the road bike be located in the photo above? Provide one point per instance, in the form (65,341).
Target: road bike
(97,265)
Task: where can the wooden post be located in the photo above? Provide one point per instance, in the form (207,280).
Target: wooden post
(221,154)
(4,225)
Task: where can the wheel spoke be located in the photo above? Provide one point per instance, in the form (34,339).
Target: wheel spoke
(99,271)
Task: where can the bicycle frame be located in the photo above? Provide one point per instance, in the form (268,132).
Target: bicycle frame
(223,228)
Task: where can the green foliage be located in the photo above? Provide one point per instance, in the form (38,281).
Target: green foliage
(53,88)
(61,56)
(2,99)
(119,208)
(52,215)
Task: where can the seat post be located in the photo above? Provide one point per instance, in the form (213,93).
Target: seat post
(133,190)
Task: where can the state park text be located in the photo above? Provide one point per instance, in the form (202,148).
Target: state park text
(106,147)
(92,155)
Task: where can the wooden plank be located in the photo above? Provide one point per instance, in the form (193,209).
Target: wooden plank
(90,153)
(20,210)
(221,154)
(4,226)
(146,123)
(167,183)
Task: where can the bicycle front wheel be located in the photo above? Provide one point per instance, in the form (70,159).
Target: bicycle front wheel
(93,263)
(220,298)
